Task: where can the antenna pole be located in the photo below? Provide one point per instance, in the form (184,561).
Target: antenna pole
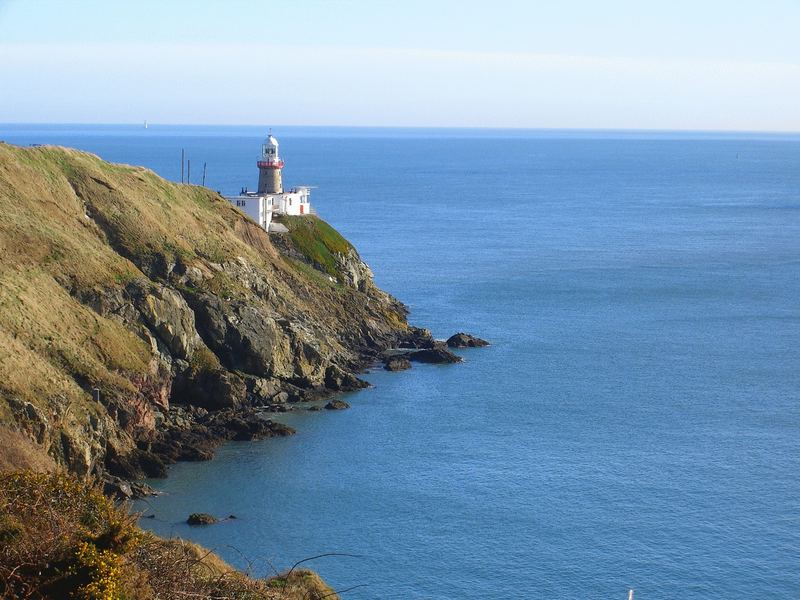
(188,171)
(204,174)
(182,165)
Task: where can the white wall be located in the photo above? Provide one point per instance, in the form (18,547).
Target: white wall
(255,207)
(294,203)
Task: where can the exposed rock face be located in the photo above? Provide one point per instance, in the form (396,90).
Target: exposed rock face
(210,389)
(465,340)
(355,272)
(175,306)
(171,319)
(242,337)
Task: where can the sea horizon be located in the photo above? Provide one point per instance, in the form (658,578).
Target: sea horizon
(411,130)
(416,301)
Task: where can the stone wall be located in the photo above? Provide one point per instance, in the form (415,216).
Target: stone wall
(269,181)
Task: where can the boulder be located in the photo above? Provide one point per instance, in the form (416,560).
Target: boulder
(336,405)
(436,355)
(397,363)
(465,340)
(280,398)
(417,337)
(263,389)
(142,490)
(340,380)
(117,488)
(201,519)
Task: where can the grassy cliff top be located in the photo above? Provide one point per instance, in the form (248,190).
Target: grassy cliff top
(75,226)
(317,241)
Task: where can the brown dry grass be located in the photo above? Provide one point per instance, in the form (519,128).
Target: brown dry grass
(70,222)
(60,538)
(75,227)
(18,452)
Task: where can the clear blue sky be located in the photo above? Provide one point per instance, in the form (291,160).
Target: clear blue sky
(702,64)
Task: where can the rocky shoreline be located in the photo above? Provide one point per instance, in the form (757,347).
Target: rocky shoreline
(192,433)
(154,321)
(145,322)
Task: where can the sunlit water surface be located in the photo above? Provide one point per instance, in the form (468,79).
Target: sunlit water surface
(635,422)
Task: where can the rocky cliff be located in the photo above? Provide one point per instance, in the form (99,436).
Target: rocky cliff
(143,321)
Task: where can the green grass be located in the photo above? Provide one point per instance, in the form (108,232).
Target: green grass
(317,241)
(313,274)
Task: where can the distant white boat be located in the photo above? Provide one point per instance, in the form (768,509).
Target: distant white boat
(145,123)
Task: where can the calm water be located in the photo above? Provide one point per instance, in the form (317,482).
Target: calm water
(636,422)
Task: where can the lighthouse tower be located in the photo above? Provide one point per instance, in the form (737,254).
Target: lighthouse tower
(271,199)
(269,168)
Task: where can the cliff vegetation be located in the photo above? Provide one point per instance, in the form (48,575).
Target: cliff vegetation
(62,538)
(142,321)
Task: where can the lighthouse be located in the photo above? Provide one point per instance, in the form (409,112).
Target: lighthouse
(270,199)
(270,165)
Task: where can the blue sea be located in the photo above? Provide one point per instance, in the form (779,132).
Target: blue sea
(636,421)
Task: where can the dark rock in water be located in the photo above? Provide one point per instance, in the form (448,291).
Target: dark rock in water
(417,338)
(315,407)
(201,519)
(436,355)
(248,425)
(397,363)
(193,453)
(465,340)
(232,517)
(340,380)
(336,405)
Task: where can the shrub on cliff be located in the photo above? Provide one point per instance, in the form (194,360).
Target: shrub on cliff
(61,538)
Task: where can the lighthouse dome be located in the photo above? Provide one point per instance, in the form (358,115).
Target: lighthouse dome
(269,149)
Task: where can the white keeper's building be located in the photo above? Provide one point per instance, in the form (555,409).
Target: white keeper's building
(270,199)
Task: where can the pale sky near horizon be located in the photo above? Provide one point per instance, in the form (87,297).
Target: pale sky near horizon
(616,64)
